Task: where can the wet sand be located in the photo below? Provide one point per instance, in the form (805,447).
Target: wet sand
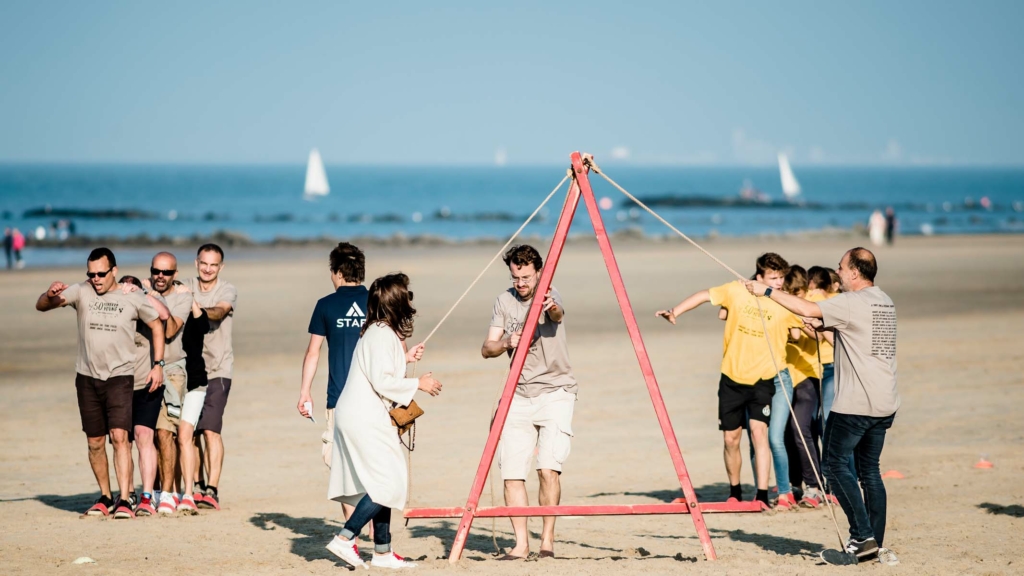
(960,303)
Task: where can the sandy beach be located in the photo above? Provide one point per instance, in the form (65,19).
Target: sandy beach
(960,303)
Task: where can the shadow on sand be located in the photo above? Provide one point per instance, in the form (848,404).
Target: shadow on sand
(1014,510)
(717,492)
(76,503)
(312,534)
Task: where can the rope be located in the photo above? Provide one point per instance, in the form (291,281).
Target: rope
(495,258)
(764,326)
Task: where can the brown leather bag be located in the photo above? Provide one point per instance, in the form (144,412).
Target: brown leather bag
(404,418)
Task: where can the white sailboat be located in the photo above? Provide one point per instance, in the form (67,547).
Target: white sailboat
(316,177)
(790,187)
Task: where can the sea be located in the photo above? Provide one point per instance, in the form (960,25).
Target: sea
(266,203)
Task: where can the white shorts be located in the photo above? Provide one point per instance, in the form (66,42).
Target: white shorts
(542,424)
(192,405)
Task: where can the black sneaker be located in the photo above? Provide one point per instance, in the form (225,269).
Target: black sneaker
(210,500)
(102,507)
(123,510)
(855,552)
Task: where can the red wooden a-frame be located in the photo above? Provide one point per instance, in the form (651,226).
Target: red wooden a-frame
(686,505)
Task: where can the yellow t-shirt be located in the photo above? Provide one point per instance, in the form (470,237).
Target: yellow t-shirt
(745,359)
(827,351)
(802,359)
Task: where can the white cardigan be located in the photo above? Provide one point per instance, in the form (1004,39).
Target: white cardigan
(368,457)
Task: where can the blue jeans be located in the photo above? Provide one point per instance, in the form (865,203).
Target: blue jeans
(828,391)
(366,511)
(859,438)
(777,432)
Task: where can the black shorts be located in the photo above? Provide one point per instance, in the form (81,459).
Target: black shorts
(738,402)
(104,404)
(212,419)
(146,407)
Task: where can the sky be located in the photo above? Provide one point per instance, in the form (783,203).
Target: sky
(518,83)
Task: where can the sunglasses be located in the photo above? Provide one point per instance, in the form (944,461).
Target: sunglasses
(158,272)
(92,275)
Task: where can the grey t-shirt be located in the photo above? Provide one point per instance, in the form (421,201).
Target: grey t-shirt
(547,363)
(217,348)
(180,306)
(865,352)
(106,329)
(144,349)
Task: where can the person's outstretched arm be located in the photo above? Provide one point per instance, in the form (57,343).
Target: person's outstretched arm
(794,304)
(497,344)
(52,297)
(691,302)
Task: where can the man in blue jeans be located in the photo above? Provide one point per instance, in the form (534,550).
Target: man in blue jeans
(862,324)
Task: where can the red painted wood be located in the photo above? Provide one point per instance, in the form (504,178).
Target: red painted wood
(583,181)
(518,360)
(686,505)
(588,510)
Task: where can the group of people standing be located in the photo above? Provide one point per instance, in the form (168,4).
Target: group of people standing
(14,243)
(368,357)
(824,343)
(155,365)
(154,369)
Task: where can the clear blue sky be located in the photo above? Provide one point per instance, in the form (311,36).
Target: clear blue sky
(866,82)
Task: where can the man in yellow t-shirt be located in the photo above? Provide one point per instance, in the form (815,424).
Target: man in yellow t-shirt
(747,386)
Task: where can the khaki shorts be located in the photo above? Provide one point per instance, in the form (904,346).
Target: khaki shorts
(174,376)
(542,424)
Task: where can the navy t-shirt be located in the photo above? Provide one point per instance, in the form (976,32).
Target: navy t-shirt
(339,318)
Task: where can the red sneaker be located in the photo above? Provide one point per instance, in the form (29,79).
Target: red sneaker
(786,502)
(732,499)
(145,507)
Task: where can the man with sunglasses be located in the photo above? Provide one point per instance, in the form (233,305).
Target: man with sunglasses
(163,270)
(540,417)
(218,298)
(105,368)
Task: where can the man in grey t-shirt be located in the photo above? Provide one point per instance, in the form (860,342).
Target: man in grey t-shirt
(540,417)
(105,368)
(861,322)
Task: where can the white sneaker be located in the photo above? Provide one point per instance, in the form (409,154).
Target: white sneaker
(389,560)
(166,505)
(346,550)
(887,557)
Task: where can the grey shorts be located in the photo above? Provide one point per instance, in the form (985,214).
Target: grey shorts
(217,390)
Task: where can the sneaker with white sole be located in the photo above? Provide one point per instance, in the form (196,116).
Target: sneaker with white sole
(167,504)
(887,557)
(187,506)
(346,550)
(390,560)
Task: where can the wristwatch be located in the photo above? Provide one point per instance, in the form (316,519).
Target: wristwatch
(768,292)
(159,363)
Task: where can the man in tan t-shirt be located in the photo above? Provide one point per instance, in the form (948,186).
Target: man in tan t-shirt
(540,417)
(105,366)
(218,298)
(861,322)
(163,270)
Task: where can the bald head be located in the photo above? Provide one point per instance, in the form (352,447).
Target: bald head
(857,269)
(163,270)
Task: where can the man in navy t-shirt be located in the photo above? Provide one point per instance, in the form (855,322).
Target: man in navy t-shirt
(338,317)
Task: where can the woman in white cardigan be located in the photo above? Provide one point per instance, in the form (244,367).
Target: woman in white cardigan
(368,469)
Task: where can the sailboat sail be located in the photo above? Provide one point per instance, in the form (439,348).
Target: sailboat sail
(316,177)
(790,187)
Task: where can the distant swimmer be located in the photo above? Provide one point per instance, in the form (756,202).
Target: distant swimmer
(862,323)
(750,390)
(540,417)
(105,368)
(219,298)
